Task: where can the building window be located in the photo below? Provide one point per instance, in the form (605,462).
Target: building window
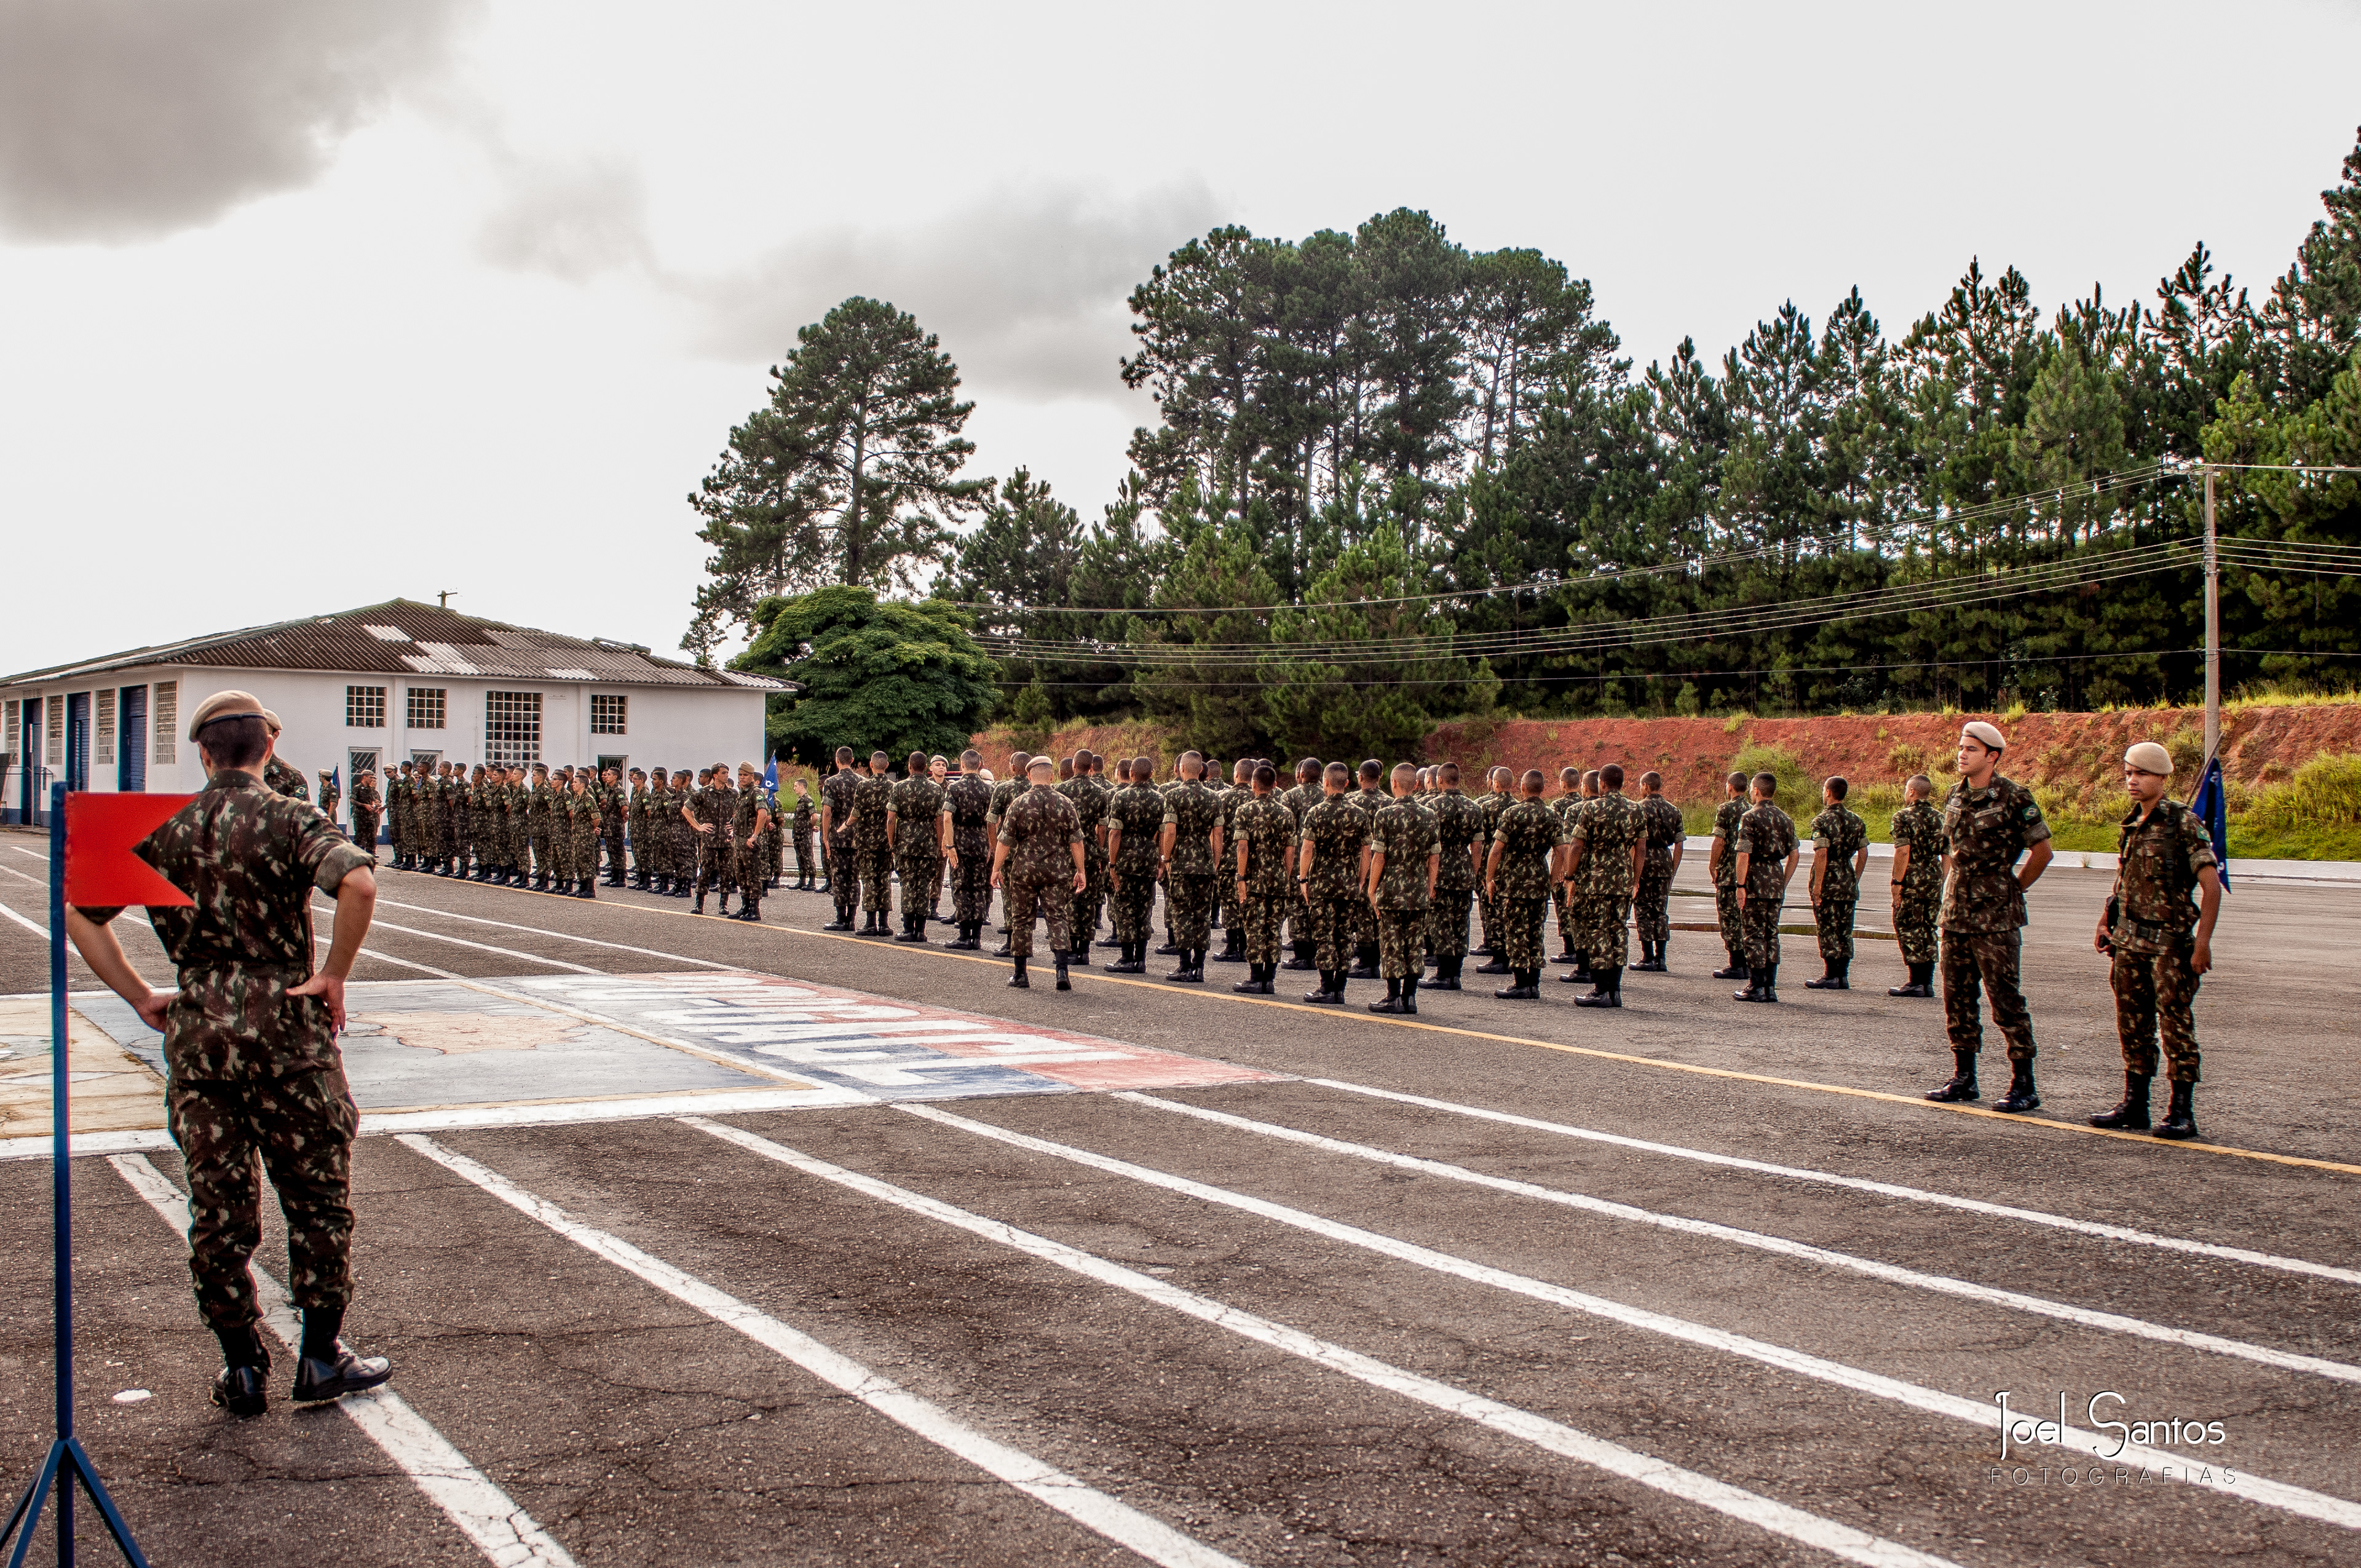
(364,707)
(511,728)
(425,709)
(105,727)
(55,710)
(11,727)
(607,710)
(168,720)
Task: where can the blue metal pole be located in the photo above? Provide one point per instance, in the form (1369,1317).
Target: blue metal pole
(61,1156)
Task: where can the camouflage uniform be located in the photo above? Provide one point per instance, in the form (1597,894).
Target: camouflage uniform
(1139,811)
(1918,827)
(1267,828)
(1090,804)
(871,798)
(917,805)
(2151,933)
(541,801)
(1766,837)
(1529,833)
(1300,799)
(286,781)
(252,1073)
(1004,792)
(1334,832)
(1725,817)
(805,819)
(749,819)
(1838,835)
(1660,822)
(1458,828)
(843,877)
(1608,828)
(612,802)
(585,810)
(717,863)
(635,830)
(1040,830)
(1194,812)
(367,803)
(1494,803)
(1984,831)
(330,797)
(1572,915)
(1406,836)
(967,801)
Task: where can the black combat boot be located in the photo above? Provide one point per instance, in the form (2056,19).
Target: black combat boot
(968,941)
(1528,986)
(1017,981)
(324,1369)
(910,931)
(843,922)
(2022,1096)
(1302,957)
(1257,981)
(1495,965)
(586,890)
(1771,983)
(1607,989)
(1115,942)
(1064,983)
(246,1368)
(1446,974)
(1392,1003)
(698,907)
(1193,965)
(1922,981)
(1736,969)
(1566,953)
(1410,996)
(1365,961)
(1755,987)
(2131,1116)
(1234,946)
(1580,974)
(1331,990)
(2180,1115)
(751,912)
(1834,979)
(1962,1085)
(1125,963)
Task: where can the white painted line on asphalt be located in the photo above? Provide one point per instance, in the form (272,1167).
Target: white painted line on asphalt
(505,1533)
(40,881)
(568,935)
(41,931)
(717,1103)
(463,942)
(35,853)
(1892,1274)
(1864,1184)
(1116,1520)
(2253,1487)
(88,1142)
(1735,1502)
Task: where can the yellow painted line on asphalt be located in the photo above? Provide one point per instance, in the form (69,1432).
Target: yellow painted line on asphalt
(1914,1101)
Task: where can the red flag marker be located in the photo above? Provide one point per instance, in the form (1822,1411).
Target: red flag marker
(100,830)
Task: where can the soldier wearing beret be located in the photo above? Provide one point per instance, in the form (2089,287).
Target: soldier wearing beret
(1989,823)
(276,774)
(2158,932)
(254,1076)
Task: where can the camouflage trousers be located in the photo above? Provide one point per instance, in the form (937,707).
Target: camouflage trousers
(1028,899)
(586,852)
(876,866)
(1487,916)
(920,876)
(1518,925)
(1653,909)
(804,862)
(1605,934)
(1725,910)
(544,860)
(844,879)
(972,888)
(1759,930)
(1298,918)
(751,871)
(1259,914)
(1570,917)
(614,835)
(1915,912)
(365,831)
(1092,898)
(2153,996)
(1334,919)
(1133,902)
(1446,922)
(1989,958)
(300,1130)
(1189,908)
(1832,917)
(1401,936)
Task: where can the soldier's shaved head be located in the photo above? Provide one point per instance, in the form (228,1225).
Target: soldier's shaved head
(917,763)
(1448,774)
(1736,783)
(1610,777)
(971,760)
(844,756)
(1307,769)
(1372,770)
(1767,785)
(1265,776)
(1123,770)
(1918,787)
(1569,777)
(1652,779)
(1142,770)
(1534,782)
(1338,776)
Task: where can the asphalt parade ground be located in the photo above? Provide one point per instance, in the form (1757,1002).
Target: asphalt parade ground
(699,1242)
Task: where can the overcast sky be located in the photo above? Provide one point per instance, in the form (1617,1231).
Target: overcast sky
(307,304)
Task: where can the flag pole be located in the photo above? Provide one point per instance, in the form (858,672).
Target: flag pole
(66,1462)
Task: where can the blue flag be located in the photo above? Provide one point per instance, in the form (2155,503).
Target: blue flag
(771,776)
(2213,810)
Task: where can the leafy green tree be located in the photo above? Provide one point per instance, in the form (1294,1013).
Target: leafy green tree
(848,474)
(2314,316)
(875,675)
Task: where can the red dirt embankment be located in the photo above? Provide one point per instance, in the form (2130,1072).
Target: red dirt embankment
(2261,745)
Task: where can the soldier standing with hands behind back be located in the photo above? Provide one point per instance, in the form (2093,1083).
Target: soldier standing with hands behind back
(253,1072)
(1038,860)
(1989,823)
(1764,865)
(1916,832)
(1839,853)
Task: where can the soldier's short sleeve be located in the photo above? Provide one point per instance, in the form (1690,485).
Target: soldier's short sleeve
(1743,843)
(2198,843)
(1171,820)
(328,855)
(2037,826)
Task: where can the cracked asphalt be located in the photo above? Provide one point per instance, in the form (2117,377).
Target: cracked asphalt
(635,1427)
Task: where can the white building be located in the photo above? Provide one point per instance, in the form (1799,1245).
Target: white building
(371,687)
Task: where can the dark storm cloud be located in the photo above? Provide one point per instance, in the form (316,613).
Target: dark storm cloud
(1027,290)
(125,120)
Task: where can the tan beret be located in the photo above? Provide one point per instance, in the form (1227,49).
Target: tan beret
(1977,729)
(270,721)
(227,705)
(2149,758)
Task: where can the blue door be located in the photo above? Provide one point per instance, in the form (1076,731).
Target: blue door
(77,741)
(131,741)
(28,754)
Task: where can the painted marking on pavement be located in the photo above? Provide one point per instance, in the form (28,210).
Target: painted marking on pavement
(41,931)
(1554,1436)
(1861,1184)
(1087,1506)
(1892,1274)
(503,1531)
(2254,1488)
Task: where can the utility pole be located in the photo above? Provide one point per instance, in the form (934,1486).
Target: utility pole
(2213,628)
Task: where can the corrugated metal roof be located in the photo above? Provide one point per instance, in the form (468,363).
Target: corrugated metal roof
(400,638)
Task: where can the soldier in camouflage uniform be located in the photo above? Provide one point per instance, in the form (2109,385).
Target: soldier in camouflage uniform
(635,824)
(330,796)
(967,806)
(1135,825)
(1916,832)
(1300,798)
(253,1075)
(471,825)
(647,833)
(749,848)
(276,774)
(1839,853)
(1003,792)
(540,797)
(1191,850)
(1405,856)
(1500,794)
(1989,822)
(1763,859)
(1573,795)
(838,810)
(519,827)
(1370,796)
(1090,803)
(1331,842)
(1609,846)
(447,816)
(367,803)
(1661,829)
(1094,855)
(805,819)
(1236,793)
(1721,864)
(1461,842)
(1518,874)
(612,804)
(914,810)
(713,811)
(1263,831)
(585,813)
(2158,932)
(686,843)
(1038,857)
(873,802)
